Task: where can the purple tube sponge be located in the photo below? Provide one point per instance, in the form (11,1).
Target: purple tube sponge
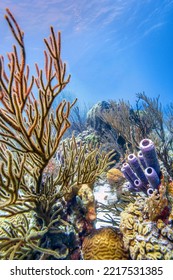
(152,177)
(129,172)
(150,156)
(150,191)
(131,188)
(141,158)
(134,163)
(127,177)
(140,186)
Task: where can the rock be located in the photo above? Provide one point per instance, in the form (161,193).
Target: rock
(94,116)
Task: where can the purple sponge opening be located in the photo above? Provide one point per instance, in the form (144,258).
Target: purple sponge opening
(152,177)
(134,163)
(149,154)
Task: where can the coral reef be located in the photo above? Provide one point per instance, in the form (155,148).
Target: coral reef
(160,120)
(157,204)
(48,203)
(88,202)
(104,244)
(127,124)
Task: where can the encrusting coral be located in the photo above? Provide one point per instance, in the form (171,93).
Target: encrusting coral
(143,238)
(30,133)
(104,244)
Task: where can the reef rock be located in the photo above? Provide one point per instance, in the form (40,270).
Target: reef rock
(94,116)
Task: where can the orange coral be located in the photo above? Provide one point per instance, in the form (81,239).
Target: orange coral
(170,189)
(86,194)
(104,244)
(156,204)
(115,176)
(91,213)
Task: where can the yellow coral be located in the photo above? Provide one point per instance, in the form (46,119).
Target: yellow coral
(156,203)
(170,189)
(115,176)
(17,220)
(146,239)
(15,233)
(160,224)
(149,247)
(86,194)
(104,244)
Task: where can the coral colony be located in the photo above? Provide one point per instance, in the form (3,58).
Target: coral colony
(143,171)
(49,183)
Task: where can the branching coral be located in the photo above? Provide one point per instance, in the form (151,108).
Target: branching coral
(81,164)
(28,126)
(38,130)
(15,236)
(147,119)
(30,133)
(126,122)
(21,238)
(11,176)
(160,120)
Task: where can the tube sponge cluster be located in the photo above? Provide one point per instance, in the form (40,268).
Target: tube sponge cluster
(143,171)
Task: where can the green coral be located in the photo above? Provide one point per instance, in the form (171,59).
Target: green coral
(92,138)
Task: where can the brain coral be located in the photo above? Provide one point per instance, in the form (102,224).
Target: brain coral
(104,244)
(145,239)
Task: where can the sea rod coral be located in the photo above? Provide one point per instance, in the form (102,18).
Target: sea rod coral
(30,133)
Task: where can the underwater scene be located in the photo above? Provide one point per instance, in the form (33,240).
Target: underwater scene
(80,183)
